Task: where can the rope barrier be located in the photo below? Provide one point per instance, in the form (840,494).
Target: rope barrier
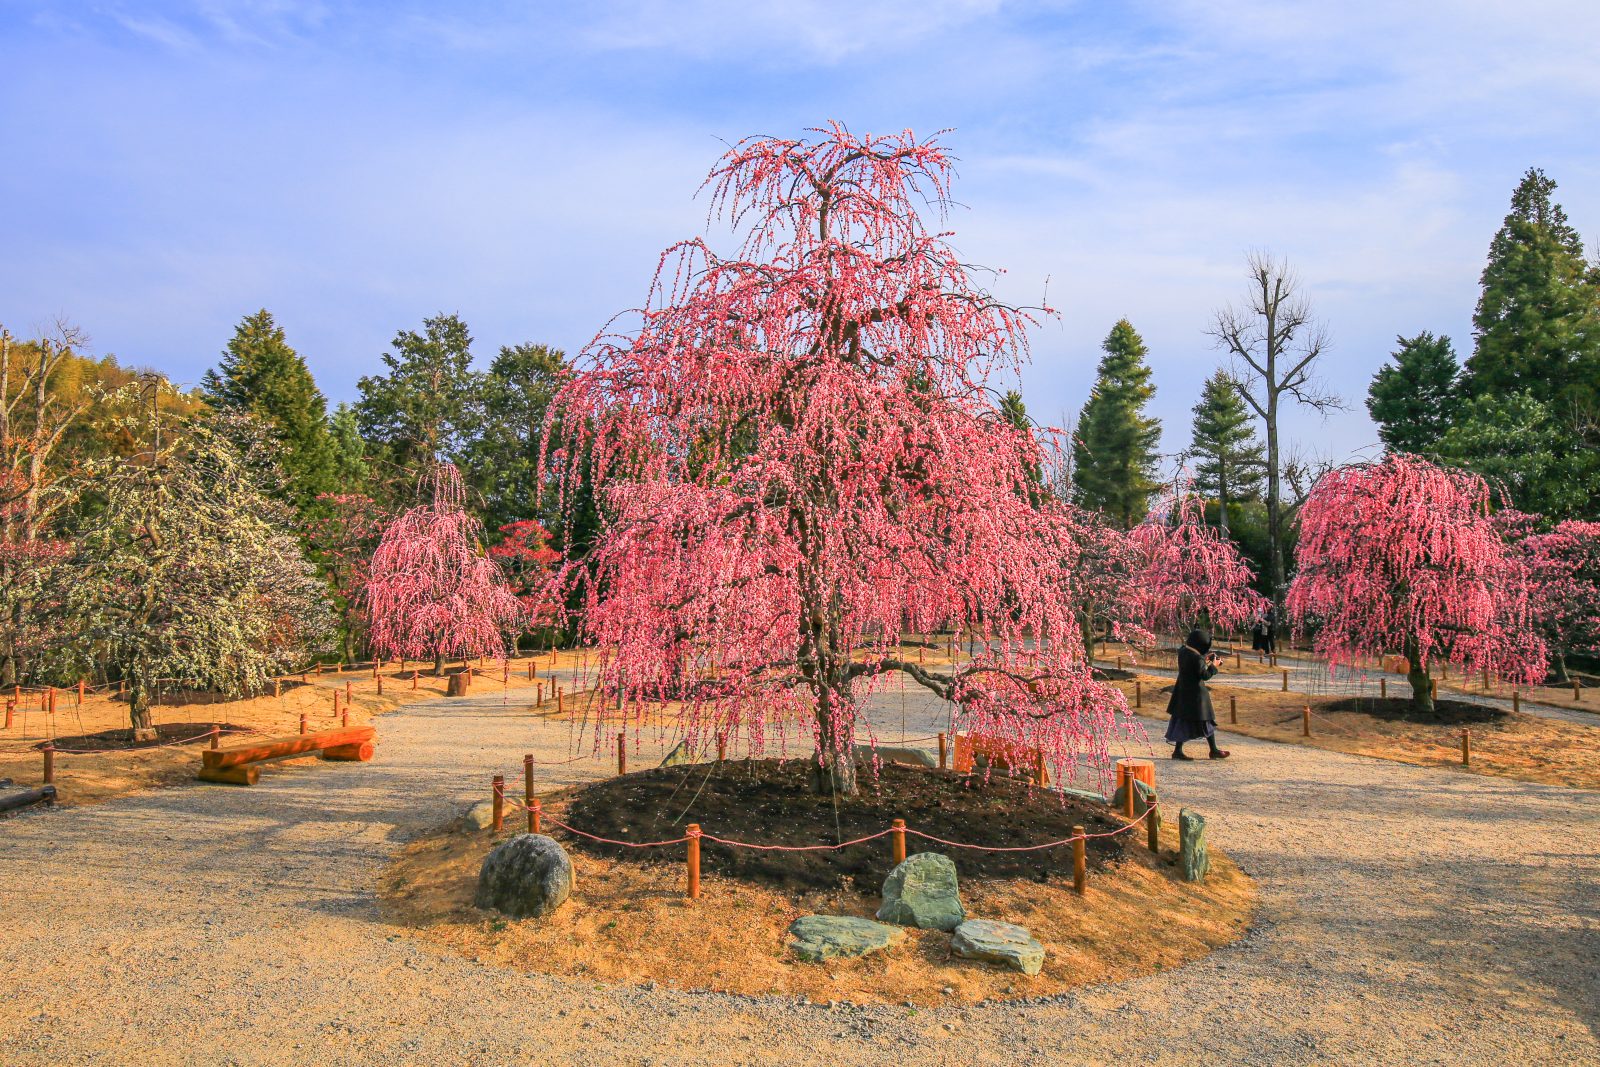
(163,744)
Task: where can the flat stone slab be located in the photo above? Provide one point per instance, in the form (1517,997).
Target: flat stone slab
(921,891)
(823,937)
(998,942)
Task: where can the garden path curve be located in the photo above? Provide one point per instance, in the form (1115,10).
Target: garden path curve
(1409,915)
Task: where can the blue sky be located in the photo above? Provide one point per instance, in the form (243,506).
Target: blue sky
(356,167)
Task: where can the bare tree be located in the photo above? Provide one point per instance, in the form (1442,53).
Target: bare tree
(1273,343)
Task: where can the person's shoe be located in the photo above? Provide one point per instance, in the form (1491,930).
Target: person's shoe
(1220,753)
(1178,753)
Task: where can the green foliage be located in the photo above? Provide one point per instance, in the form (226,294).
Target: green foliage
(1538,319)
(502,462)
(352,473)
(1114,452)
(193,574)
(427,407)
(1228,460)
(1516,441)
(1015,412)
(1416,399)
(261,376)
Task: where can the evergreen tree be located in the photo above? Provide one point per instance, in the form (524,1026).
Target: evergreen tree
(260,375)
(1516,442)
(1228,459)
(1537,324)
(504,457)
(427,407)
(1015,412)
(1114,453)
(351,469)
(1414,399)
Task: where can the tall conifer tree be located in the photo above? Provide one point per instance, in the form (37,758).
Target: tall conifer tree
(1228,459)
(1114,452)
(1538,319)
(260,375)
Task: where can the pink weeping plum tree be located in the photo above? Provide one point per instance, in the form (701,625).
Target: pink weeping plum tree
(1402,555)
(1565,565)
(798,457)
(431,591)
(1186,574)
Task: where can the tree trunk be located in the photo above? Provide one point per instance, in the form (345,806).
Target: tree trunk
(139,709)
(1421,683)
(1558,670)
(1274,515)
(438,663)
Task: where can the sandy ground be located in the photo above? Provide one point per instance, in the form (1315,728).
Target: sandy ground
(1408,915)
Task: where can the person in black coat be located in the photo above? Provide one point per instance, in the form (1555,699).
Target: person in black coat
(1190,706)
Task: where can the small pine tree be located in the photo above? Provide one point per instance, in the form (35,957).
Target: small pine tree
(427,407)
(260,375)
(1537,323)
(1114,453)
(1228,460)
(1414,400)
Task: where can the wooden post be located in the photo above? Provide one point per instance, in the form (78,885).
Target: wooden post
(49,750)
(1516,701)
(1383,688)
(11,707)
(81,688)
(1233,708)
(535,810)
(52,700)
(335,713)
(1119,663)
(693,832)
(1433,689)
(1152,828)
(1576,691)
(1286,679)
(505,674)
(414,675)
(941,747)
(1138,693)
(302,722)
(216,735)
(527,793)
(499,802)
(1238,662)
(277,688)
(380,685)
(344,717)
(1305,720)
(897,841)
(1127,793)
(348,691)
(1466,748)
(559,698)
(530,670)
(1041,777)
(622,753)
(722,748)
(1080,866)
(1486,679)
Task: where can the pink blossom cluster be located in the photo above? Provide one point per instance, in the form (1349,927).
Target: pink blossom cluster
(1185,573)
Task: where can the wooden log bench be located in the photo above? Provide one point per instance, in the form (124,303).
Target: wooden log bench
(42,795)
(241,764)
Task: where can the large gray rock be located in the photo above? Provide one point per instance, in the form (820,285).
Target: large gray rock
(1193,858)
(822,937)
(678,756)
(997,942)
(526,877)
(916,757)
(922,892)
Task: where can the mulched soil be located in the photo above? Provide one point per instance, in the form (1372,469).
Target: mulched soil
(770,802)
(1399,709)
(166,733)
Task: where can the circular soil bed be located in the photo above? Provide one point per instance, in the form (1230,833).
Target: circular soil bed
(1399,709)
(767,802)
(166,733)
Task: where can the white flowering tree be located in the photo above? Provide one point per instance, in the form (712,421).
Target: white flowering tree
(192,574)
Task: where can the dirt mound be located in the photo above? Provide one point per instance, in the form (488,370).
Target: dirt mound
(771,803)
(1399,709)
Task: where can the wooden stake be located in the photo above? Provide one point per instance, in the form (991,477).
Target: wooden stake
(559,698)
(1238,662)
(1152,828)
(277,688)
(81,687)
(897,841)
(1433,689)
(1466,748)
(693,832)
(1486,679)
(1576,692)
(941,743)
(1080,865)
(344,717)
(1127,793)
(722,749)
(1138,693)
(534,813)
(1383,688)
(380,685)
(1305,720)
(499,802)
(11,707)
(622,754)
(49,751)
(302,722)
(1233,709)
(1041,777)
(216,735)
(1286,679)
(527,793)
(1516,701)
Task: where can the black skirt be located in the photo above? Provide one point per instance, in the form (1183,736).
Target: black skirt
(1180,730)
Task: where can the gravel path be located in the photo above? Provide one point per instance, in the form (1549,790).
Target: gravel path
(1408,915)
